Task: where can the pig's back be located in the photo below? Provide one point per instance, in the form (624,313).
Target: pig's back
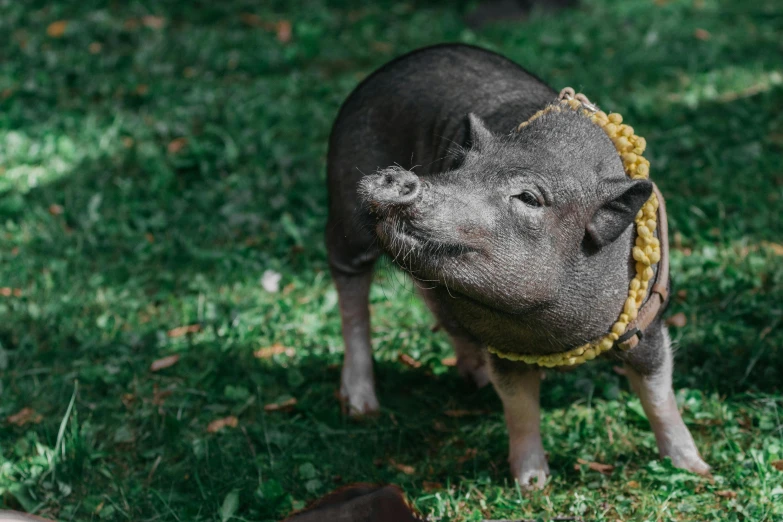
(414,107)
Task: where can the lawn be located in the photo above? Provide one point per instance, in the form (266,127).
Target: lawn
(161,162)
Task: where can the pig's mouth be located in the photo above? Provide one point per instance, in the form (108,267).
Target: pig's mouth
(407,243)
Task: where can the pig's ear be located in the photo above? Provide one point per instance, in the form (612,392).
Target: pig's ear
(480,135)
(621,202)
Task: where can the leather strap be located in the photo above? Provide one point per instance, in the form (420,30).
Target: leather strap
(659,291)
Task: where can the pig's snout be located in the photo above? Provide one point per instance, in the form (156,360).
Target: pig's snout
(392,187)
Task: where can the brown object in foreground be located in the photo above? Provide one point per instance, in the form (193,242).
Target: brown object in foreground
(359,503)
(16,516)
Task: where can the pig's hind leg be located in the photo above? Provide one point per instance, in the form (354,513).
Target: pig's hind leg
(649,370)
(471,362)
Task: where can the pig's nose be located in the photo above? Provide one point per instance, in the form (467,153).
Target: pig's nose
(396,187)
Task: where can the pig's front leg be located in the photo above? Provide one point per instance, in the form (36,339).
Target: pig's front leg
(518,388)
(357,387)
(650,374)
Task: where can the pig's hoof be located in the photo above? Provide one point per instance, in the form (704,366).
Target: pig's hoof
(359,401)
(692,463)
(532,479)
(531,471)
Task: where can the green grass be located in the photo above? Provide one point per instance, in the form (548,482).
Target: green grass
(112,234)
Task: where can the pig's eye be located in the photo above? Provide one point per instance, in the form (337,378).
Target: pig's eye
(528,198)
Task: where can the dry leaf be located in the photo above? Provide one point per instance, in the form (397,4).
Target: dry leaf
(217,425)
(726,494)
(166,362)
(409,361)
(128,399)
(777,248)
(252,20)
(127,142)
(429,487)
(408,470)
(633,484)
(55,209)
(777,464)
(702,34)
(182,330)
(153,22)
(159,396)
(142,89)
(95,47)
(149,237)
(463,413)
(176,145)
(57,29)
(678,320)
(449,361)
(283,31)
(470,453)
(283,406)
(270,351)
(131,24)
(25,416)
(606,469)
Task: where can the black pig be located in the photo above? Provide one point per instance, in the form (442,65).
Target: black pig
(517,240)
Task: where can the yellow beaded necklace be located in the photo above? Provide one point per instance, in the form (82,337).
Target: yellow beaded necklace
(646,252)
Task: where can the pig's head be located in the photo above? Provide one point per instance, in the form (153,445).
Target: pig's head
(528,240)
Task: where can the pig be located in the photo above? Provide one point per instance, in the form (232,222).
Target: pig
(518,239)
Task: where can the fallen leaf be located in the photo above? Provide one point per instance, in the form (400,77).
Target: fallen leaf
(176,145)
(678,320)
(270,351)
(153,22)
(131,24)
(777,248)
(283,31)
(408,470)
(463,413)
(270,281)
(149,237)
(55,209)
(449,361)
(25,416)
(57,29)
(429,487)
(217,425)
(702,34)
(409,361)
(8,292)
(179,331)
(166,362)
(470,453)
(127,142)
(159,397)
(633,484)
(95,47)
(252,20)
(777,464)
(606,469)
(726,494)
(282,406)
(17,292)
(128,399)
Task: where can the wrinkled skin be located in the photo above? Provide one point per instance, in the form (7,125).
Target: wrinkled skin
(518,240)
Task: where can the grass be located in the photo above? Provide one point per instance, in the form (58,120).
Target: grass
(157,158)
